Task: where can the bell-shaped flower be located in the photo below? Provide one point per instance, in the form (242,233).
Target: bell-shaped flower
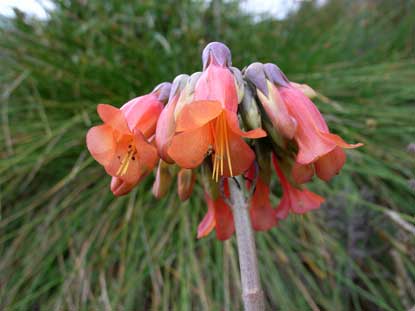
(294,200)
(316,145)
(121,144)
(260,210)
(209,126)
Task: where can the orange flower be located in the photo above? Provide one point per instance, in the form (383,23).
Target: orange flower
(294,200)
(121,143)
(219,217)
(209,124)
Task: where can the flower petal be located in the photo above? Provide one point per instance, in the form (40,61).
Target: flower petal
(166,127)
(217,84)
(208,222)
(113,117)
(120,187)
(261,211)
(303,200)
(330,164)
(197,114)
(224,224)
(101,143)
(302,173)
(295,200)
(283,208)
(277,111)
(142,113)
(188,149)
(336,139)
(241,155)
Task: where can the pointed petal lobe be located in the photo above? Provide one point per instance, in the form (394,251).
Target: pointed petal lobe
(101,143)
(188,149)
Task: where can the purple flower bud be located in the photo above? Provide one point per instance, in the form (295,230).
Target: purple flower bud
(255,74)
(275,75)
(178,85)
(218,53)
(163,90)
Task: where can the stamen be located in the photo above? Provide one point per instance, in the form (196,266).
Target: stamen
(125,163)
(221,146)
(228,153)
(222,131)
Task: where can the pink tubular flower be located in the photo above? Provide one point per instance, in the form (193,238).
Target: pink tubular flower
(294,200)
(121,143)
(296,117)
(209,124)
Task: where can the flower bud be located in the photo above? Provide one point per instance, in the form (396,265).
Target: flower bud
(164,178)
(186,95)
(218,53)
(264,78)
(162,90)
(166,124)
(249,110)
(185,182)
(239,82)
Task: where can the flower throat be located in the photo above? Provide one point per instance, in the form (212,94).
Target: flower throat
(221,146)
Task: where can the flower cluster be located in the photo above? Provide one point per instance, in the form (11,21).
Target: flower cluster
(217,124)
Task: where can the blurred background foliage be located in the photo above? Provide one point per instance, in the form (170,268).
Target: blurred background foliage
(67,244)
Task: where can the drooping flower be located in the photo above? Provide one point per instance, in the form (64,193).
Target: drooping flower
(294,200)
(260,210)
(163,179)
(121,144)
(295,116)
(186,179)
(219,216)
(209,124)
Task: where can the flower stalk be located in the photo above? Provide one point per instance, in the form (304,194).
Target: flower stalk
(252,294)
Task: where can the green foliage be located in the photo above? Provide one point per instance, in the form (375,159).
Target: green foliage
(67,244)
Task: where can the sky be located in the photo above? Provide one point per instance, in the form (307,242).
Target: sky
(278,8)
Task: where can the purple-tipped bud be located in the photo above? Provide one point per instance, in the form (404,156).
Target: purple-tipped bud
(193,80)
(186,94)
(218,53)
(163,91)
(178,85)
(264,78)
(275,75)
(255,74)
(249,110)
(239,82)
